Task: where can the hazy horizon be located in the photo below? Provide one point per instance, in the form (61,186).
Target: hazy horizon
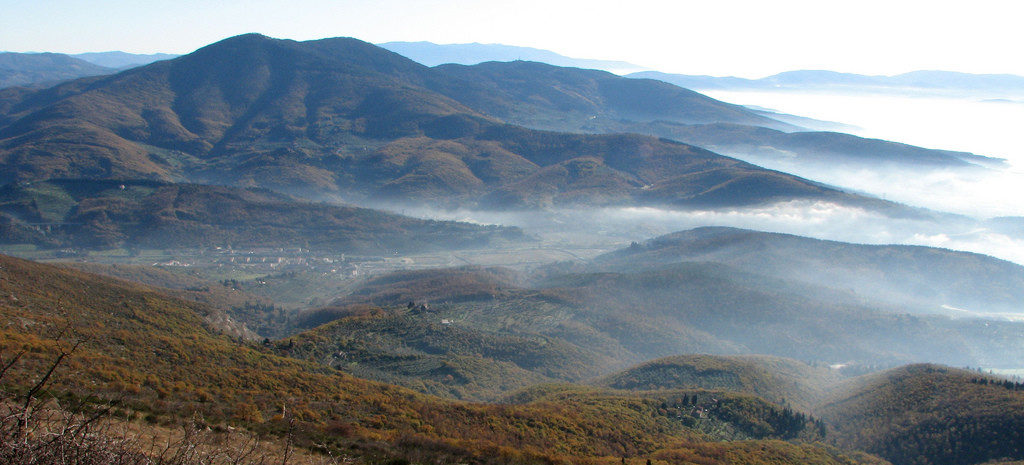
(791,34)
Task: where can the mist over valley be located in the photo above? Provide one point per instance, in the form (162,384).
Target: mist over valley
(329,252)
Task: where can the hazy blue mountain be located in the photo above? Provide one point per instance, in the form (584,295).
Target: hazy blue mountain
(929,81)
(432,54)
(812,148)
(28,69)
(915,278)
(555,98)
(121,60)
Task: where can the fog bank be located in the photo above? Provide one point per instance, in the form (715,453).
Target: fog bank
(613,227)
(981,125)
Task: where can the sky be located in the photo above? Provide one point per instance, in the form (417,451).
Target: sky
(749,38)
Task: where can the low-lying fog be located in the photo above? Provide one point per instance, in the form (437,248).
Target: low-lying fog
(979,124)
(616,227)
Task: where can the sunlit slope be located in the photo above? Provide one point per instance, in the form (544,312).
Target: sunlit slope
(342,117)
(417,348)
(158,355)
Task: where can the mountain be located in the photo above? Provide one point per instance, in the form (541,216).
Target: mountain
(920,279)
(574,100)
(122,60)
(36,69)
(345,118)
(158,357)
(914,82)
(931,415)
(156,215)
(432,54)
(558,98)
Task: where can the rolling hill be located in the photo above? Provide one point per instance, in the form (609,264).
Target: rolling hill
(779,380)
(158,357)
(626,317)
(930,414)
(921,279)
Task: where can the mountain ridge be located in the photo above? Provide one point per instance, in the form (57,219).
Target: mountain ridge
(42,69)
(432,54)
(907,273)
(343,117)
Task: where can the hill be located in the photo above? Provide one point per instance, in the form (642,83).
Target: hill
(823,149)
(157,215)
(922,279)
(627,317)
(930,414)
(779,380)
(414,347)
(345,118)
(262,316)
(35,69)
(158,356)
(432,54)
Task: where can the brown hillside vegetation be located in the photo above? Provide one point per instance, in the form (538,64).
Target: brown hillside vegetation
(343,117)
(158,355)
(930,414)
(776,379)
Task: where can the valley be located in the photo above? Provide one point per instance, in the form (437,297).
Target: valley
(335,249)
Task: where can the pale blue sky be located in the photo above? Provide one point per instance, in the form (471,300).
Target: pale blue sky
(750,38)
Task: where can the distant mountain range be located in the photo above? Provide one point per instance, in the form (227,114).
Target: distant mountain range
(46,69)
(927,81)
(122,60)
(40,69)
(432,54)
(534,95)
(340,116)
